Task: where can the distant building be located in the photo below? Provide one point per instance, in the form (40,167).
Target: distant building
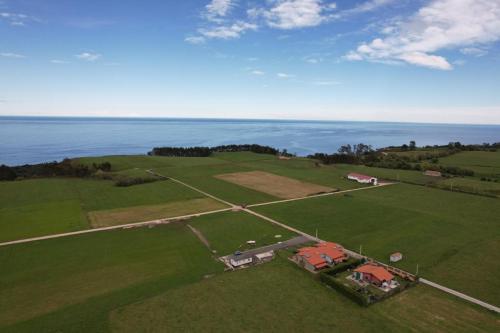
(320,256)
(432,173)
(265,256)
(373,274)
(362,178)
(395,257)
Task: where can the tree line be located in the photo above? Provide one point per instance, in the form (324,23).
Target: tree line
(207,151)
(51,169)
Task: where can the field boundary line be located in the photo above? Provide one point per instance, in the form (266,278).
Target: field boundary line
(317,195)
(119,226)
(191,187)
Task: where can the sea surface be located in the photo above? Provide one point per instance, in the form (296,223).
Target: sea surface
(42,139)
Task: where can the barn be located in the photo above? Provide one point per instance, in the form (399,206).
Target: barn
(364,179)
(374,274)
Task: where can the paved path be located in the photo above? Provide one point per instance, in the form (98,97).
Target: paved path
(274,247)
(121,226)
(462,296)
(318,195)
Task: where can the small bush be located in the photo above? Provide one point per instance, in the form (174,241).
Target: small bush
(124,182)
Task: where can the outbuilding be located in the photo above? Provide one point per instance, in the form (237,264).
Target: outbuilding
(432,173)
(237,261)
(364,179)
(395,257)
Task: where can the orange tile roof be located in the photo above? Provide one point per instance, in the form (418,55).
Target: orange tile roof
(313,254)
(377,271)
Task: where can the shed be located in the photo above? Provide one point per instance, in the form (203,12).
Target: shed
(432,173)
(395,257)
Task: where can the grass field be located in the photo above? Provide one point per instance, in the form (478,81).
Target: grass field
(280,297)
(38,207)
(278,186)
(453,237)
(483,163)
(71,284)
(105,218)
(229,231)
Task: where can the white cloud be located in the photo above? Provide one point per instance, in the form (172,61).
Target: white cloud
(88,56)
(293,14)
(441,25)
(258,72)
(364,7)
(285,76)
(474,51)
(228,32)
(197,40)
(16,19)
(12,55)
(58,62)
(218,8)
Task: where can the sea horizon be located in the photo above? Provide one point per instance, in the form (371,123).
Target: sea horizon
(242,119)
(37,139)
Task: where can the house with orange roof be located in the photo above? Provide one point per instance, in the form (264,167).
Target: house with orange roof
(374,274)
(322,255)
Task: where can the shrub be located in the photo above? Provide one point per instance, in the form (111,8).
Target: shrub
(124,182)
(358,297)
(344,266)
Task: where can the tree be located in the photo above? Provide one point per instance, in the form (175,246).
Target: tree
(7,173)
(345,149)
(413,145)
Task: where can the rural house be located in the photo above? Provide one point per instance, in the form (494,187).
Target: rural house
(240,260)
(320,256)
(373,274)
(362,178)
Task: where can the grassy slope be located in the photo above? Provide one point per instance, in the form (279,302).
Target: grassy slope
(453,237)
(280,297)
(483,163)
(229,231)
(70,284)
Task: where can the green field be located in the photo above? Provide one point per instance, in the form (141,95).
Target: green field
(150,279)
(278,296)
(38,207)
(453,237)
(71,283)
(483,163)
(229,231)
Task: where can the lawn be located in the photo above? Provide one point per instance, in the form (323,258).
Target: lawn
(72,283)
(39,207)
(229,231)
(278,296)
(453,237)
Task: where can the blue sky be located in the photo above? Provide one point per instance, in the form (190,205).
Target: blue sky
(386,60)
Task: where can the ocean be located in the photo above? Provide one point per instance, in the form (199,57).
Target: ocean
(42,139)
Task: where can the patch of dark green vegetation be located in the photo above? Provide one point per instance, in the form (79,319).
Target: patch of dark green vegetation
(208,151)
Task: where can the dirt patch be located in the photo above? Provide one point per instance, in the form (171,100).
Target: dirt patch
(278,186)
(110,217)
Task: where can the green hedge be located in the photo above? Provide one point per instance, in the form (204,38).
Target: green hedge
(361,299)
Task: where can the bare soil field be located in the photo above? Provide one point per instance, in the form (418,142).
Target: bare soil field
(110,217)
(278,186)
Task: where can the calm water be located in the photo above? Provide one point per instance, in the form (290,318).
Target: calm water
(41,139)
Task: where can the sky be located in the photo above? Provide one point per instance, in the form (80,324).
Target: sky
(368,60)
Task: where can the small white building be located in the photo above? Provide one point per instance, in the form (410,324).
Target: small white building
(395,257)
(265,255)
(362,178)
(236,262)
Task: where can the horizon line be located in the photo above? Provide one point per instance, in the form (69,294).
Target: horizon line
(242,119)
